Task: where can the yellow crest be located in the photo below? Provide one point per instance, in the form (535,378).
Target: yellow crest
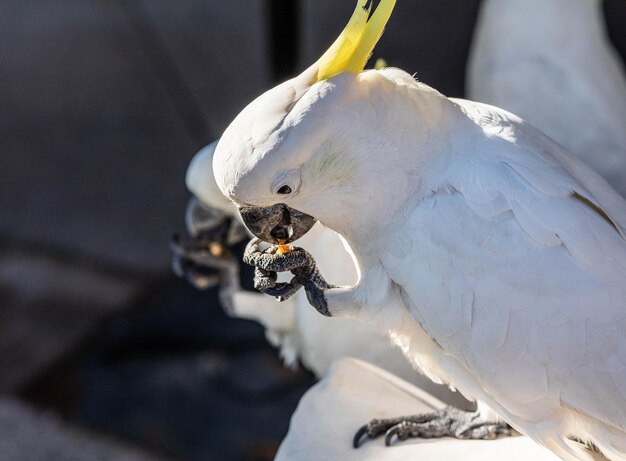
(354,46)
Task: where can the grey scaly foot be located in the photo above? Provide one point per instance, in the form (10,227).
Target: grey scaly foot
(448,422)
(299,262)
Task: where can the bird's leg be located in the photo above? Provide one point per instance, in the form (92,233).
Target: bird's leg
(299,261)
(314,285)
(448,422)
(265,282)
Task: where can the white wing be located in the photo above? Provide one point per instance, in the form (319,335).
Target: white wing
(517,268)
(556,69)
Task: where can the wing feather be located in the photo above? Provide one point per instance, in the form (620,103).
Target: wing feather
(542,272)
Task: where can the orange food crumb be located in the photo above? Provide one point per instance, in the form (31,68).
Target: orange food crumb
(216,249)
(284,249)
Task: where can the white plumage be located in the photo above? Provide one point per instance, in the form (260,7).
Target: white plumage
(493,258)
(551,63)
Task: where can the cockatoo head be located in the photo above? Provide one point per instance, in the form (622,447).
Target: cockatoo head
(297,150)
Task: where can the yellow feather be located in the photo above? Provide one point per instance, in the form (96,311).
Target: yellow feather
(371,36)
(355,44)
(380,64)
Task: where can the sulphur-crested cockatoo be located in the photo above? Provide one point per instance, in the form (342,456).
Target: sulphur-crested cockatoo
(493,257)
(207,260)
(551,63)
(299,331)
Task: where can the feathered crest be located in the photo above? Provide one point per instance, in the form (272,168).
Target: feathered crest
(354,46)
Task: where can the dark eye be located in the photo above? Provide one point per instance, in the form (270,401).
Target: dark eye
(284,190)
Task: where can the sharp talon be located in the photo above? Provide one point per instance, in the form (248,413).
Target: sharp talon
(280,290)
(252,246)
(389,435)
(356,442)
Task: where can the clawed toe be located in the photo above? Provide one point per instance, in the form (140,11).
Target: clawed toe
(394,431)
(279,291)
(449,422)
(373,429)
(485,432)
(356,441)
(268,263)
(272,261)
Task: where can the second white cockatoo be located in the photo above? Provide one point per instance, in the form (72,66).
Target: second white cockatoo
(551,63)
(489,254)
(300,332)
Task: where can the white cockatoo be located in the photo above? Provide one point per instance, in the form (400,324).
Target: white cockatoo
(551,63)
(300,332)
(490,255)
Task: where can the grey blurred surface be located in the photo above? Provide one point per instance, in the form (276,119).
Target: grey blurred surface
(48,307)
(28,435)
(177,375)
(220,50)
(430,38)
(97,122)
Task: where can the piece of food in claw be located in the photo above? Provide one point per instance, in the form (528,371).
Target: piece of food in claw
(283,249)
(216,249)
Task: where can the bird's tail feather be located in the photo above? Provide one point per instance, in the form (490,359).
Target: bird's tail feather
(610,441)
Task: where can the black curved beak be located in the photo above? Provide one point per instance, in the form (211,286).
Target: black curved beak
(277,224)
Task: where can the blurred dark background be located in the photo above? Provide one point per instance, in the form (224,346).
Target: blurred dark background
(104,354)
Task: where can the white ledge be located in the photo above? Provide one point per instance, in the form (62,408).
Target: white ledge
(352,393)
